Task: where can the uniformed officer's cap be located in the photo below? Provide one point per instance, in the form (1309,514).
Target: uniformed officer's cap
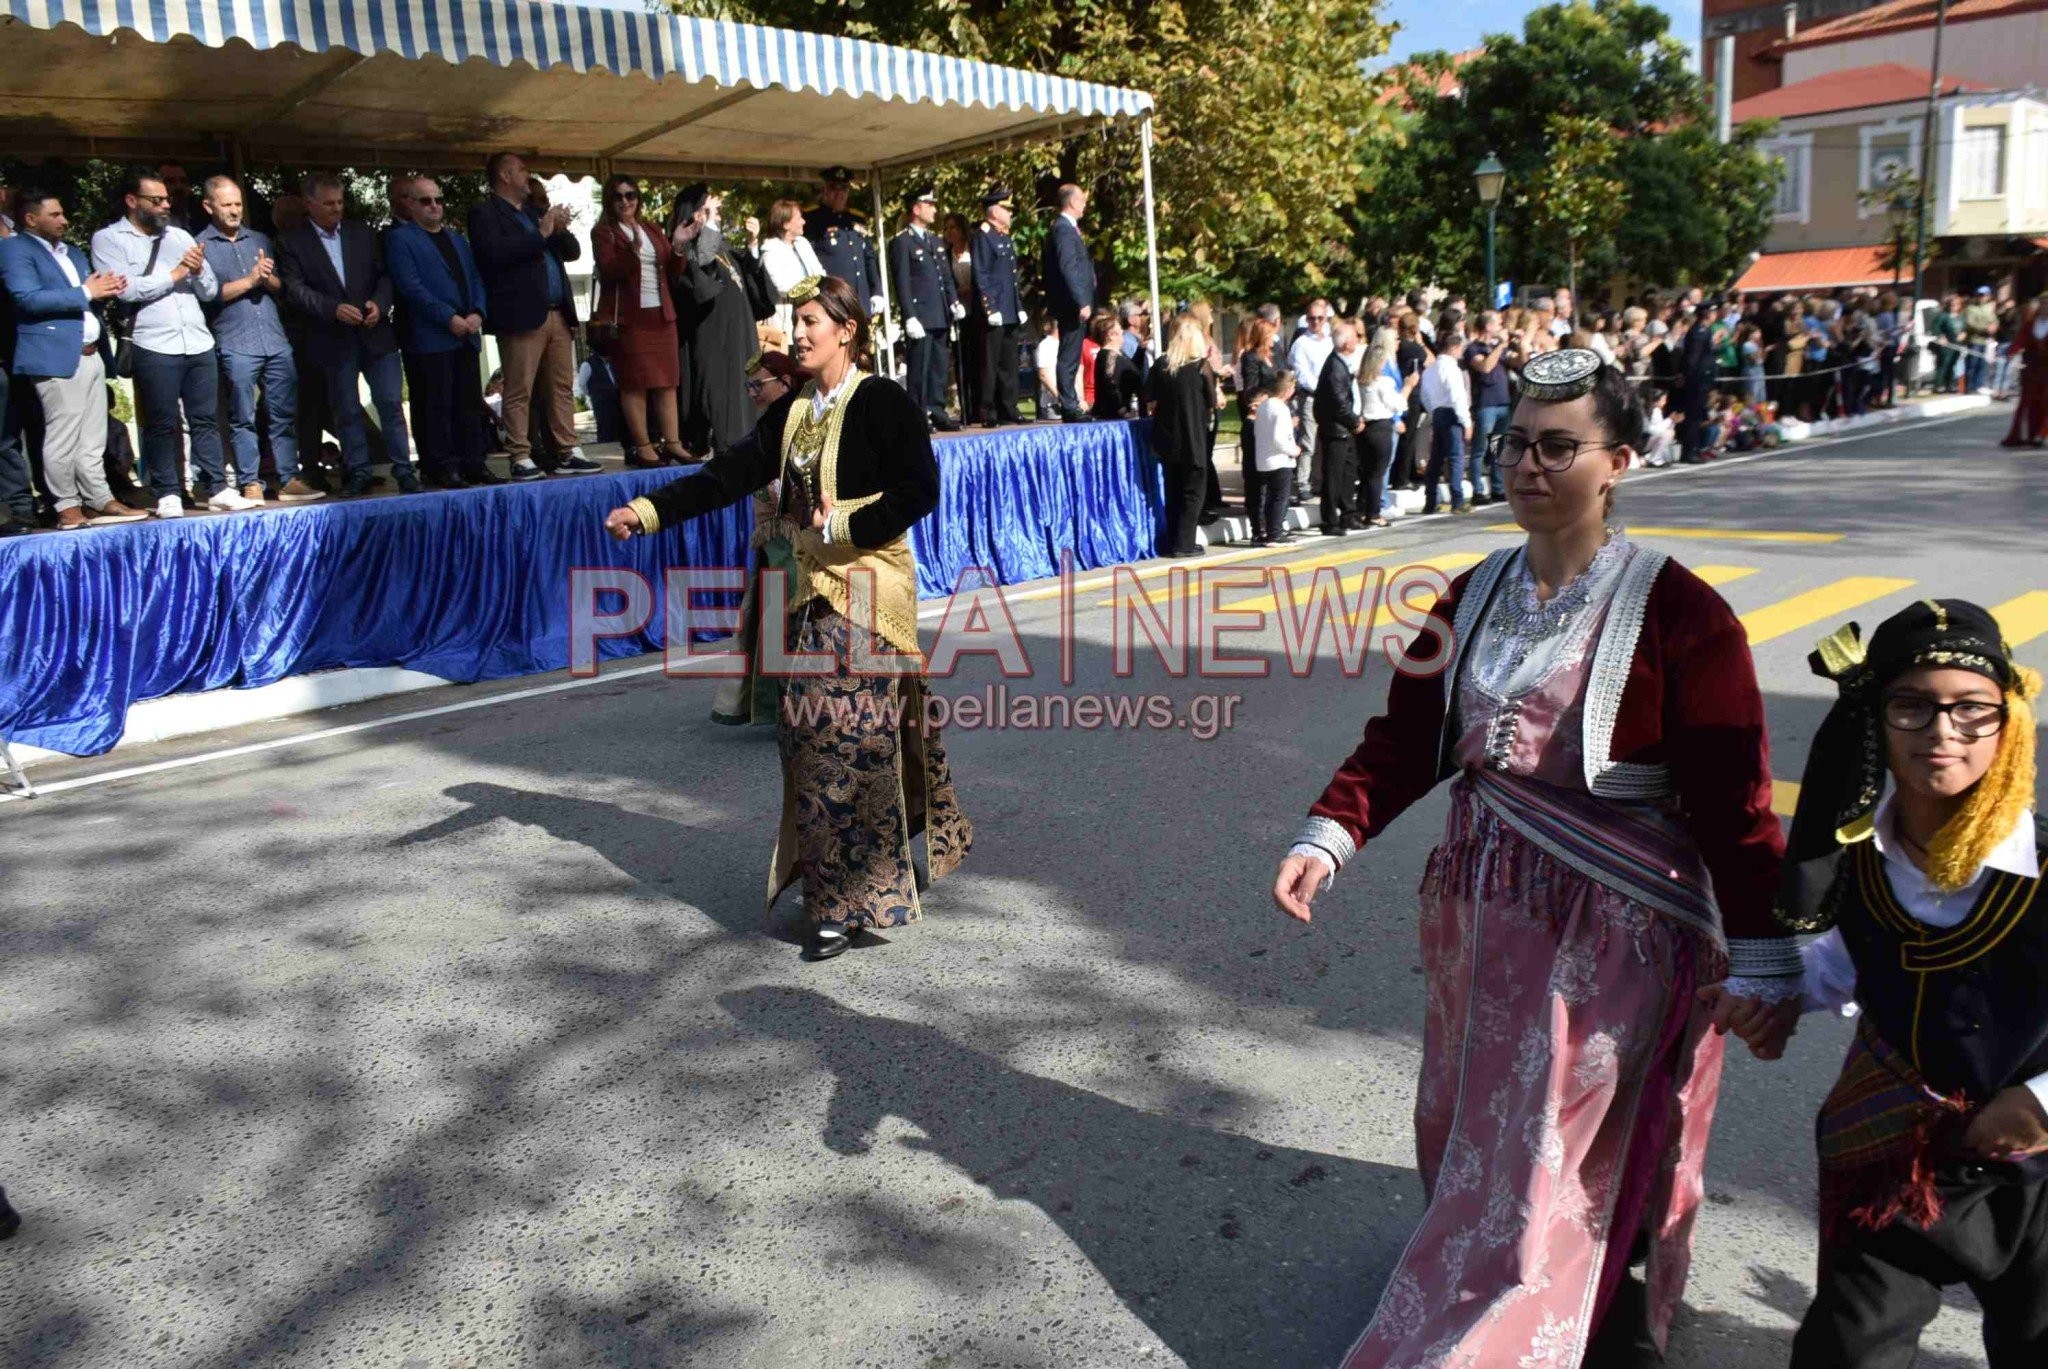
(997,195)
(918,194)
(836,175)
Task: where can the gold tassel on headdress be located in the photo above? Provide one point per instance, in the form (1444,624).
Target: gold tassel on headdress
(1993,809)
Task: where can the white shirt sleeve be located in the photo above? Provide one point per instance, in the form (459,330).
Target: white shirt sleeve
(1830,982)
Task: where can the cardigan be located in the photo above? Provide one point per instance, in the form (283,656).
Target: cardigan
(1682,717)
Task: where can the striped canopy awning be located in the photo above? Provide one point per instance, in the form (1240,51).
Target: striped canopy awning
(439,83)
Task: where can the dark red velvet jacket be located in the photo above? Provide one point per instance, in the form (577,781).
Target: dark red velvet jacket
(1691,703)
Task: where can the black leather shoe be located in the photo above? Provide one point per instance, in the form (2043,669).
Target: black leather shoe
(358,486)
(482,475)
(946,425)
(828,939)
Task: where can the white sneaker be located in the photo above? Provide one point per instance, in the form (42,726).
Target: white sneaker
(170,506)
(229,500)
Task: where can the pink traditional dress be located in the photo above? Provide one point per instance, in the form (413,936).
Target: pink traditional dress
(1569,916)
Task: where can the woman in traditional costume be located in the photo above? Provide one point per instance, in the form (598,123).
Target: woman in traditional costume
(863,772)
(1610,853)
(2030,348)
(1934,1141)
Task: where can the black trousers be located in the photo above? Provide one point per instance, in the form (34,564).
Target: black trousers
(1276,496)
(1879,1290)
(1186,484)
(998,398)
(1338,469)
(17,493)
(1375,455)
(1411,454)
(1072,334)
(447,402)
(924,371)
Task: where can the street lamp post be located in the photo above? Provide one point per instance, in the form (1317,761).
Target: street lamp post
(1490,176)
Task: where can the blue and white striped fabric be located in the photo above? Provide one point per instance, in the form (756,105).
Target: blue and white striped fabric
(591,38)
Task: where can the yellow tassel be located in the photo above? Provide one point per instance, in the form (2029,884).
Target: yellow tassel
(1840,651)
(1993,809)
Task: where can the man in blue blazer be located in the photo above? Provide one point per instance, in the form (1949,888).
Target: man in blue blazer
(57,348)
(1070,293)
(440,331)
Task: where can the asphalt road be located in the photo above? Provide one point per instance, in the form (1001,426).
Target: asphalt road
(463,1040)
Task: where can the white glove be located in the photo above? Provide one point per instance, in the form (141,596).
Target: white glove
(913,328)
(995,320)
(959,310)
(876,304)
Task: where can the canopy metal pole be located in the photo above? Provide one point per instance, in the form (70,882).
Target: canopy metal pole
(1151,230)
(885,343)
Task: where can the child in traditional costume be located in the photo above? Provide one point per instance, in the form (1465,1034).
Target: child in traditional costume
(1934,1141)
(1599,903)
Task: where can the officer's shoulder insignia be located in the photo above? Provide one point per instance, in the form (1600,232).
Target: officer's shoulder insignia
(987,228)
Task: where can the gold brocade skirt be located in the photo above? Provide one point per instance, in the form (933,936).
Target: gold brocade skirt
(862,775)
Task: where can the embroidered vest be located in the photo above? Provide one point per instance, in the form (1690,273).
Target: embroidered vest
(876,585)
(1968,1004)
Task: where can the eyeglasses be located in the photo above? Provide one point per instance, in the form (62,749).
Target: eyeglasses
(1974,719)
(1554,451)
(624,195)
(427,199)
(153,199)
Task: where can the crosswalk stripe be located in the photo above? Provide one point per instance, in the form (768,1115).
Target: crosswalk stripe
(1816,605)
(1159,593)
(1721,575)
(1449,563)
(1784,798)
(1092,582)
(2023,619)
(1707,534)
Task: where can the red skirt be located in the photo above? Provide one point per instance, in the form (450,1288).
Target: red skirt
(646,357)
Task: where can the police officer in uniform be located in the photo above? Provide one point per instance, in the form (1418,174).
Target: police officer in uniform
(1001,309)
(840,238)
(922,278)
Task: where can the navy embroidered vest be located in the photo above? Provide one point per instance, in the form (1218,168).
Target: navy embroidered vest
(1968,1004)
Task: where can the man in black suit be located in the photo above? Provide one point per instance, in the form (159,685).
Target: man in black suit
(528,304)
(1002,305)
(1696,373)
(922,278)
(334,279)
(1070,293)
(1338,425)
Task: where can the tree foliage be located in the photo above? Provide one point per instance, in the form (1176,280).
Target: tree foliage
(1575,200)
(1691,211)
(1265,121)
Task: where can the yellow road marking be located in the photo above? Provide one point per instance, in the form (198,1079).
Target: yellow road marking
(1784,798)
(1708,534)
(1721,575)
(1817,605)
(1159,593)
(1449,563)
(2023,619)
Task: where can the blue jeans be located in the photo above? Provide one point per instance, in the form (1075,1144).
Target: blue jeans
(1487,420)
(386,375)
(163,381)
(1973,368)
(1446,459)
(280,382)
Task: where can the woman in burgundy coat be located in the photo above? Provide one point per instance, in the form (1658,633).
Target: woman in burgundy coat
(632,271)
(1599,904)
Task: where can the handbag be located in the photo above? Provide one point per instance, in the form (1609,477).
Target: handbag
(604,337)
(120,323)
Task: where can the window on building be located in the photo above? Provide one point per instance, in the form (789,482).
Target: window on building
(1794,157)
(1980,163)
(1889,152)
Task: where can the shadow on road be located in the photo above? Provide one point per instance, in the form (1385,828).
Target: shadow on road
(1237,1255)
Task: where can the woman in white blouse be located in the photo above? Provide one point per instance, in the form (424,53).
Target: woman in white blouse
(1382,401)
(787,257)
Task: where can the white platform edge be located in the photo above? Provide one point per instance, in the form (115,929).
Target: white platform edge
(185,715)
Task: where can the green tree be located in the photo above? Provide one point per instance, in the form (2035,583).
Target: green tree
(1265,121)
(1692,208)
(1575,199)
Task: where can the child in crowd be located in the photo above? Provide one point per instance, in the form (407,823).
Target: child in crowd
(1273,420)
(1934,1142)
(1660,434)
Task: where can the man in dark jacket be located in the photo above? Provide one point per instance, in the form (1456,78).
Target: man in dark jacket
(1070,293)
(528,305)
(922,278)
(1696,375)
(334,279)
(1000,316)
(1338,425)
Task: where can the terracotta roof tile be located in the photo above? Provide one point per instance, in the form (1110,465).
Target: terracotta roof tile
(1887,83)
(1902,14)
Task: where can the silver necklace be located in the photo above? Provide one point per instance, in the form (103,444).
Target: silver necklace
(1525,619)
